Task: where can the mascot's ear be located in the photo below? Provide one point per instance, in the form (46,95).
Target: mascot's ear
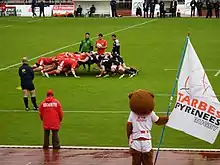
(130,95)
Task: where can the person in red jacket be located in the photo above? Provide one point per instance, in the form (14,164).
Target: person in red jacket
(51,114)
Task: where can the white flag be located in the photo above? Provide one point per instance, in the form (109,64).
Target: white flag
(197,109)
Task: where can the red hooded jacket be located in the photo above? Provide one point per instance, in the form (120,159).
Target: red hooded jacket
(51,113)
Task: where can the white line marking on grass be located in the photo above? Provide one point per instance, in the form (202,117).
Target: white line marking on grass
(88,112)
(67,46)
(28,163)
(208,70)
(36,20)
(217,73)
(6,26)
(111,148)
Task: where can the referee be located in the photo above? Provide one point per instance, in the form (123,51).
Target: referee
(26,74)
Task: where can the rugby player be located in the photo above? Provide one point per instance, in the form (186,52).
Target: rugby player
(43,63)
(101,44)
(65,65)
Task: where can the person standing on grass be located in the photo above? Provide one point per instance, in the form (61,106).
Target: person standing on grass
(101,44)
(217,6)
(199,5)
(26,74)
(162,10)
(113,5)
(86,45)
(209,9)
(193,7)
(51,114)
(41,6)
(173,7)
(33,5)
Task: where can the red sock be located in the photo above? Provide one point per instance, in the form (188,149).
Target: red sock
(52,72)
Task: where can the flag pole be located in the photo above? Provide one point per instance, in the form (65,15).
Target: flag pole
(172,95)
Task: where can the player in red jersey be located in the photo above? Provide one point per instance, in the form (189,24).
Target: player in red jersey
(64,54)
(101,44)
(43,63)
(64,65)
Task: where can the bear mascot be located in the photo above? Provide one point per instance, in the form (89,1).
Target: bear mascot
(139,125)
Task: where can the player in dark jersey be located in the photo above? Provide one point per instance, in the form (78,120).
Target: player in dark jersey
(116,45)
(26,74)
(108,66)
(116,50)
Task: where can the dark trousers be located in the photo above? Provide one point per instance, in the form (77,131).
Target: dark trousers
(200,12)
(139,158)
(162,13)
(209,13)
(33,11)
(217,13)
(146,13)
(42,12)
(173,11)
(55,139)
(152,13)
(192,12)
(114,11)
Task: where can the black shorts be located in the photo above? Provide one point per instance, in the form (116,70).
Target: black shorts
(27,86)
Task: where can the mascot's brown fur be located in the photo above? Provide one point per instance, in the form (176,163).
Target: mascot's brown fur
(142,103)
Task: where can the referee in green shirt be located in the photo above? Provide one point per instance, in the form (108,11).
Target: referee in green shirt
(86,47)
(86,44)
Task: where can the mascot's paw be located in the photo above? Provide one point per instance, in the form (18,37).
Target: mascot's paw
(162,120)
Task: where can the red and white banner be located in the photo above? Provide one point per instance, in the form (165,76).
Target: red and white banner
(197,109)
(63,10)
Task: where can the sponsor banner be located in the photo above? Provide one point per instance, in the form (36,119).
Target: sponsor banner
(197,109)
(63,10)
(136,3)
(26,10)
(10,11)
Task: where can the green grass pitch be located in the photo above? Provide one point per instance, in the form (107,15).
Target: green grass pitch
(151,47)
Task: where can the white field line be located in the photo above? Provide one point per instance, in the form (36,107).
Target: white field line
(67,46)
(110,148)
(6,26)
(36,20)
(217,73)
(87,112)
(208,70)
(28,163)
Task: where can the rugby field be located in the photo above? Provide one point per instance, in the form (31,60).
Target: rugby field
(96,110)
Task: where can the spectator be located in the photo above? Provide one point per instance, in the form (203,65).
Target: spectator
(33,5)
(146,6)
(79,11)
(92,10)
(113,5)
(152,8)
(199,7)
(173,7)
(193,7)
(217,6)
(41,6)
(209,9)
(162,11)
(51,114)
(138,12)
